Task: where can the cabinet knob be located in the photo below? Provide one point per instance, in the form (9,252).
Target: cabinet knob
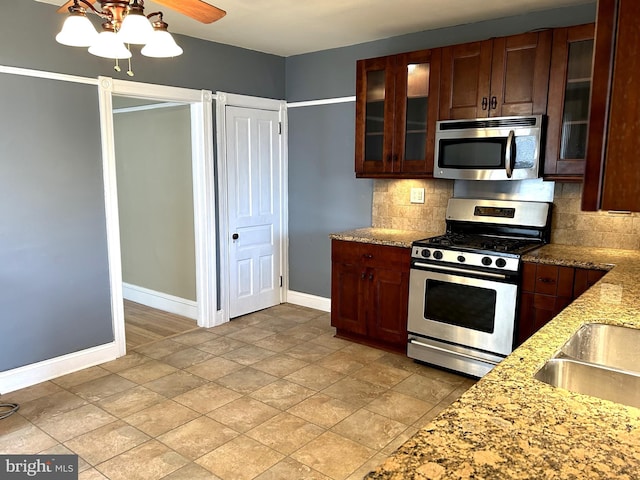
(368,256)
(371,276)
(364,274)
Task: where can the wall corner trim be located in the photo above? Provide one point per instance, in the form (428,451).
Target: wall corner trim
(309,301)
(34,373)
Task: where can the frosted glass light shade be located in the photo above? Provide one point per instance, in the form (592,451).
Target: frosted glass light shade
(161,45)
(108,45)
(135,29)
(77,31)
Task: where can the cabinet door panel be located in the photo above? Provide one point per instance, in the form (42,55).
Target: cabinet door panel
(568,102)
(611,181)
(387,315)
(375,84)
(465,80)
(417,87)
(621,182)
(520,74)
(346,297)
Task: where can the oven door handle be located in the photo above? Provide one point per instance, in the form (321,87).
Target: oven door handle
(459,270)
(451,352)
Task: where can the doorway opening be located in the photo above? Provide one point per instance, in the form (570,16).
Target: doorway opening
(149,242)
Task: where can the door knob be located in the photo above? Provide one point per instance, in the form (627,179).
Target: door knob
(235,236)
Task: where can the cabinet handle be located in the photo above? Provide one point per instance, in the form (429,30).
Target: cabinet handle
(485,103)
(395,157)
(371,276)
(368,256)
(388,158)
(546,280)
(364,274)
(494,103)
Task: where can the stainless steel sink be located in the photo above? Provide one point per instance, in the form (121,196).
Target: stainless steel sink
(608,345)
(589,379)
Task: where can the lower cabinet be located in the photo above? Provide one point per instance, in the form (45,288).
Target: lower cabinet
(370,293)
(546,291)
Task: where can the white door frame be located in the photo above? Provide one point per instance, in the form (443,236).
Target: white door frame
(203,194)
(222,101)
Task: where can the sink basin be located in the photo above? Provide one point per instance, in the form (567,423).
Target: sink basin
(601,344)
(589,379)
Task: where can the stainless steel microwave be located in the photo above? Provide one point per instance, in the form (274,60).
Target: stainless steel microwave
(499,148)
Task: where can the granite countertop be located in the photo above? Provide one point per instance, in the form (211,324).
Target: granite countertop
(383,236)
(512,426)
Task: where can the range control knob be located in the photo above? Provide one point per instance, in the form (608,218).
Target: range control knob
(437,255)
(501,262)
(487,261)
(461,259)
(425,253)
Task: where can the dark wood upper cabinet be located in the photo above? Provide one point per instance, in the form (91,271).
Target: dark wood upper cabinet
(568,104)
(498,77)
(612,173)
(396,111)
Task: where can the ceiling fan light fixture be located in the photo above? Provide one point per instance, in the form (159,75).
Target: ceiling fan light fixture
(161,44)
(77,31)
(108,45)
(135,28)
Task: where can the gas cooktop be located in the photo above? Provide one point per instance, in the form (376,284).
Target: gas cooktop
(480,243)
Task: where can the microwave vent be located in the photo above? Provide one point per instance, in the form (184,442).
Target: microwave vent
(489,123)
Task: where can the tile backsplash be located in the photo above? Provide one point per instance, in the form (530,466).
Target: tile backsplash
(392,209)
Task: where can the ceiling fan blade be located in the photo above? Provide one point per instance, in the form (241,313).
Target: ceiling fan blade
(65,8)
(196,9)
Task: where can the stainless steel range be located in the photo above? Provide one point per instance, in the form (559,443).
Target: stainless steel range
(463,286)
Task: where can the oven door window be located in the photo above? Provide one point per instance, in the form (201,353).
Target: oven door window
(461,305)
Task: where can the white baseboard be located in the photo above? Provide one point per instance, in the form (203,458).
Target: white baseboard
(161,301)
(29,375)
(310,301)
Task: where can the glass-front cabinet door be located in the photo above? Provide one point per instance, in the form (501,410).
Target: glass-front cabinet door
(568,105)
(396,110)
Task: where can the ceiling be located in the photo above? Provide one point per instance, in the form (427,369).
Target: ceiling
(292,27)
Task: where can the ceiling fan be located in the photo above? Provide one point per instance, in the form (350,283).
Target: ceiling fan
(125,22)
(196,9)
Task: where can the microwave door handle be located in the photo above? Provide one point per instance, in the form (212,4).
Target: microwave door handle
(509,154)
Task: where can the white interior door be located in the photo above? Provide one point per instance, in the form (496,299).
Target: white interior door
(254,195)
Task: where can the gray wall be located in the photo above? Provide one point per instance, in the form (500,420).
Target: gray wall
(155,199)
(53,254)
(55,293)
(324,195)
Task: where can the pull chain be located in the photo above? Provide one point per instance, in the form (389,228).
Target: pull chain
(130,71)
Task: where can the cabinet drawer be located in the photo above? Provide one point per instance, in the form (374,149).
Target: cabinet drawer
(554,280)
(370,255)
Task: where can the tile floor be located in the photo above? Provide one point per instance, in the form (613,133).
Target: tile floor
(271,396)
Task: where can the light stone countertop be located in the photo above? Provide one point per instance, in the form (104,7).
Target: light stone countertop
(383,236)
(512,426)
